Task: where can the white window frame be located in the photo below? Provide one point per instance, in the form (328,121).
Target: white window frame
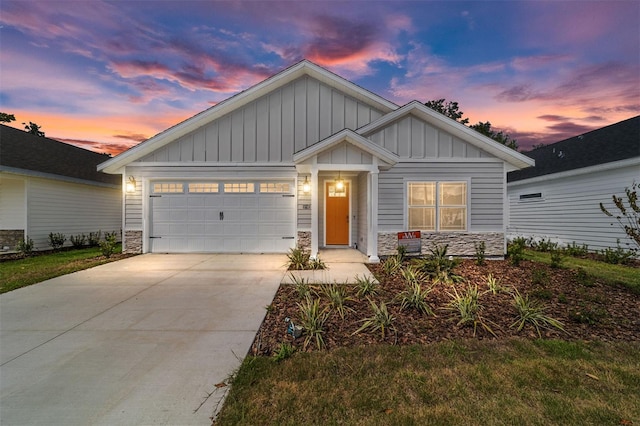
(438,205)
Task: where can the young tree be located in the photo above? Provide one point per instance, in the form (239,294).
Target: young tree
(450,109)
(629,217)
(7,118)
(504,139)
(33,128)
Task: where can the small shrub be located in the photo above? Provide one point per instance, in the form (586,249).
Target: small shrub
(402,253)
(544,245)
(391,265)
(540,277)
(316,264)
(366,286)
(587,314)
(301,285)
(415,297)
(542,293)
(467,306)
(495,286)
(438,266)
(583,278)
(556,258)
(56,240)
(298,259)
(515,251)
(312,320)
(108,246)
(337,296)
(575,250)
(78,240)
(480,250)
(531,311)
(284,351)
(93,239)
(617,256)
(562,298)
(381,320)
(25,246)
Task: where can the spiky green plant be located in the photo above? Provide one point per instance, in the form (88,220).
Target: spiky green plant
(380,320)
(302,286)
(337,296)
(532,311)
(297,259)
(366,286)
(494,284)
(312,320)
(414,296)
(468,308)
(391,265)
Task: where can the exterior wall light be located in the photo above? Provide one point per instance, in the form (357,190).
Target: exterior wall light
(339,183)
(306,186)
(131,185)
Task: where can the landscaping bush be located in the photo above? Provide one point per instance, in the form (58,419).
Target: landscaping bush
(56,240)
(93,239)
(25,246)
(78,240)
(108,246)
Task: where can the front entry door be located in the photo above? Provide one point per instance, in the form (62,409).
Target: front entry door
(337,208)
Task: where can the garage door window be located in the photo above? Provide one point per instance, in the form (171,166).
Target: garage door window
(203,187)
(239,187)
(168,188)
(275,187)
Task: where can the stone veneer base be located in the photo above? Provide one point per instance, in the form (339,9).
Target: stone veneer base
(304,240)
(132,242)
(10,238)
(459,243)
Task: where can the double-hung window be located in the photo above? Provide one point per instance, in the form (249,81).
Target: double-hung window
(437,206)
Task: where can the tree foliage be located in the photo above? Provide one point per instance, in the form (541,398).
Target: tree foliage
(452,110)
(33,128)
(629,214)
(7,118)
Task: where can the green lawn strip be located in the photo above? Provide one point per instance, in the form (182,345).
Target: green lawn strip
(612,274)
(471,382)
(23,272)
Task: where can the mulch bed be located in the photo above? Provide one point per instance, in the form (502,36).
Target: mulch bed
(588,309)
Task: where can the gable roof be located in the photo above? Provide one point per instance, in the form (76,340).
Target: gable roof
(24,153)
(351,137)
(284,77)
(615,142)
(451,126)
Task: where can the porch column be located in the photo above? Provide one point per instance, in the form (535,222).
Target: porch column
(372,238)
(314,212)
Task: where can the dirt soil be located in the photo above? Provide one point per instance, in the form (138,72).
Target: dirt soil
(588,309)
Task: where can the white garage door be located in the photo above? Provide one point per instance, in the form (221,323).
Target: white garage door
(222,217)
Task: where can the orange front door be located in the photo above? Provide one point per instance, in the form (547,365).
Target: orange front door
(337,207)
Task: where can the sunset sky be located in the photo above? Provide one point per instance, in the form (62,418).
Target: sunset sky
(106,75)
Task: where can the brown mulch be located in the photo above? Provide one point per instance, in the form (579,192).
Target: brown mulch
(588,311)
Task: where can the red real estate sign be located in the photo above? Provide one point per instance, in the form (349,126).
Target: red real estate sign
(411,241)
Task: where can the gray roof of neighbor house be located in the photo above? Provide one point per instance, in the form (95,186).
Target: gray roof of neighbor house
(25,153)
(616,142)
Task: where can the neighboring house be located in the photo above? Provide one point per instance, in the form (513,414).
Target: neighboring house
(309,158)
(49,186)
(559,199)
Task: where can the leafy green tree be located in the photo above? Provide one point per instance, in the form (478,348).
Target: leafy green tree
(7,118)
(33,128)
(452,110)
(629,215)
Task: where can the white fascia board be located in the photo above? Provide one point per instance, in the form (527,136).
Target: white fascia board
(459,130)
(614,165)
(51,176)
(238,101)
(350,137)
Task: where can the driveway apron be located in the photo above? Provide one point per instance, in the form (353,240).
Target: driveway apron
(141,341)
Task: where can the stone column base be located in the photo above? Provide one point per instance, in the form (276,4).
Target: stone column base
(304,240)
(132,242)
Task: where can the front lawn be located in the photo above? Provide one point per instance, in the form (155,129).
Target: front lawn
(16,273)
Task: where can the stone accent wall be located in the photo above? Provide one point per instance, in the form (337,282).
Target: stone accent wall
(132,242)
(304,240)
(10,238)
(460,244)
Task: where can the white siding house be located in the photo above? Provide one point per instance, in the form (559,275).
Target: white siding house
(309,158)
(49,186)
(560,198)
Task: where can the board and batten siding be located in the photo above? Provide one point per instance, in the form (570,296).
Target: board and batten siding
(411,137)
(12,203)
(71,209)
(569,209)
(485,210)
(271,128)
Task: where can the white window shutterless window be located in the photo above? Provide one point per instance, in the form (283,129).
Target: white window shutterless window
(437,206)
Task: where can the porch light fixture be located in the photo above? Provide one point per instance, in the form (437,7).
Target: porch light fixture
(339,183)
(131,185)
(306,186)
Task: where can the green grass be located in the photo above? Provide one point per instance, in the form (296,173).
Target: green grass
(612,274)
(23,272)
(473,382)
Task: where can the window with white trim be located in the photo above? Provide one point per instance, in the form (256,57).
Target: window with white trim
(275,187)
(204,187)
(239,187)
(437,206)
(168,188)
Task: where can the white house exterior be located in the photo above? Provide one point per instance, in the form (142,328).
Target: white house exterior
(49,186)
(261,172)
(560,198)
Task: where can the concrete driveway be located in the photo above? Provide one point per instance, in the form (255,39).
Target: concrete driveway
(141,341)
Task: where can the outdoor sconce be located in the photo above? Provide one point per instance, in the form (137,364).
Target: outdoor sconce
(306,186)
(131,185)
(339,183)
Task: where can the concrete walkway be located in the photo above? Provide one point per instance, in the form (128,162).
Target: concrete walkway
(343,266)
(141,341)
